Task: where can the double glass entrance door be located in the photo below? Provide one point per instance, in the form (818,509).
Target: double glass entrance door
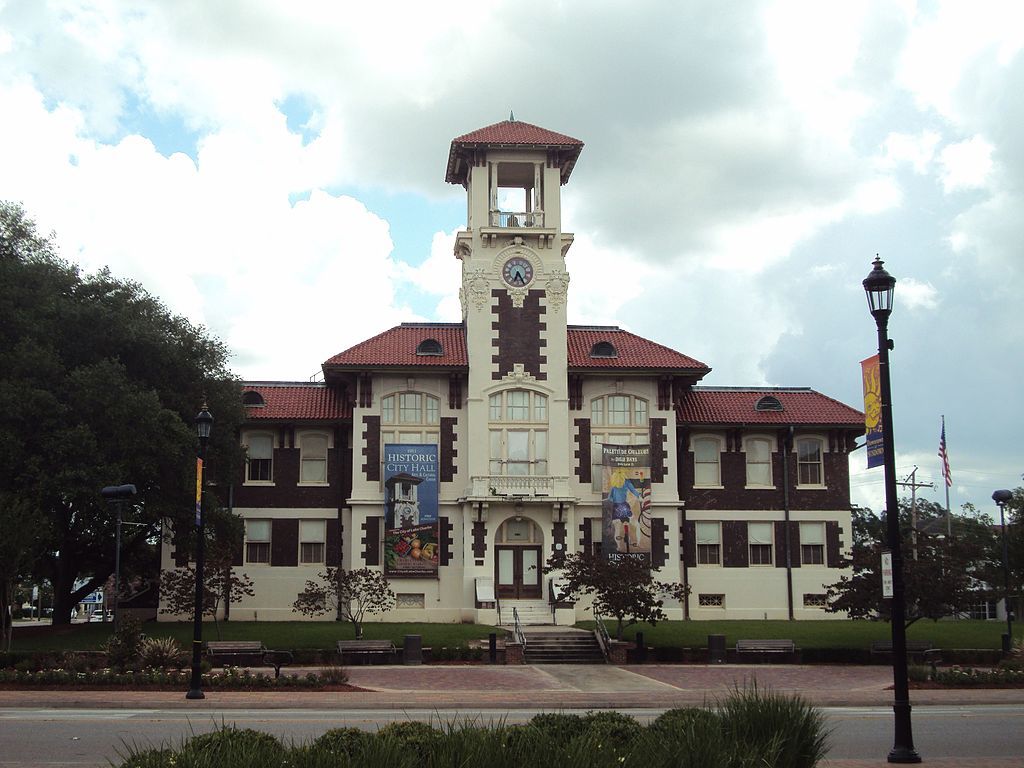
(519,576)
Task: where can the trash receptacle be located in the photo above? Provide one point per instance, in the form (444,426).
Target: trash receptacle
(716,649)
(412,649)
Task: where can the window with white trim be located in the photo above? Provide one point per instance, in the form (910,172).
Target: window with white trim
(707,468)
(758,451)
(615,420)
(518,435)
(257,541)
(259,463)
(313,458)
(759,538)
(812,543)
(409,418)
(709,543)
(312,538)
(809,462)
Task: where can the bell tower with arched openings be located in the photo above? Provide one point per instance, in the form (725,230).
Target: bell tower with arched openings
(514,291)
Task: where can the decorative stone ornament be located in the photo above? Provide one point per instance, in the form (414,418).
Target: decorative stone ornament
(557,289)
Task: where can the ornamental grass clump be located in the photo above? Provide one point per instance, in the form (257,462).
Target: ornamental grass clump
(161,653)
(785,729)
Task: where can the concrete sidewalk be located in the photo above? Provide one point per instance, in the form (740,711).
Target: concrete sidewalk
(552,686)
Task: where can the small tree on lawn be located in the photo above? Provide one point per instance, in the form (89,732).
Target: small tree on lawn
(624,588)
(350,595)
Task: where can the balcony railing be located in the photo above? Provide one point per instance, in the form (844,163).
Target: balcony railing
(513,219)
(518,485)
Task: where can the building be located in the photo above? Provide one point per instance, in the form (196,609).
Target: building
(512,437)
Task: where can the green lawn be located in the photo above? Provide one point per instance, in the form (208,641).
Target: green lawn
(291,635)
(816,634)
(680,634)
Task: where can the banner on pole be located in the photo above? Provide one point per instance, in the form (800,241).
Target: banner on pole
(199,492)
(411,535)
(626,501)
(872,379)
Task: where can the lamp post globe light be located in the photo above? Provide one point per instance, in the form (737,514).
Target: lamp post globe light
(1001,498)
(879,286)
(204,424)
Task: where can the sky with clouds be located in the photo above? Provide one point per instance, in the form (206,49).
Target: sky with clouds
(275,171)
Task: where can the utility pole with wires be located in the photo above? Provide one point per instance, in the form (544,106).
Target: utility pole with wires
(911,483)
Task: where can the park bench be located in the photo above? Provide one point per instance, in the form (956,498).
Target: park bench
(922,650)
(365,649)
(787,647)
(249,653)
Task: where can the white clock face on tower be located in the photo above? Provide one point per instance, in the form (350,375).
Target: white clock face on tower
(517,272)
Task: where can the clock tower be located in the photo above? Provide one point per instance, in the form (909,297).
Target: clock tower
(514,290)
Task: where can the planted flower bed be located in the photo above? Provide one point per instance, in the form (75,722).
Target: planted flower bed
(231,678)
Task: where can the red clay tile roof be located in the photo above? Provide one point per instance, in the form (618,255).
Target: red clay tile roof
(512,133)
(296,400)
(735,405)
(397,348)
(633,352)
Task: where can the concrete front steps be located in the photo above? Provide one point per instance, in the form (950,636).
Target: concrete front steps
(532,613)
(561,646)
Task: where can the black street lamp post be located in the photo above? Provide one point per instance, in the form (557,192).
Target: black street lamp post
(117,495)
(1001,498)
(878,286)
(204,423)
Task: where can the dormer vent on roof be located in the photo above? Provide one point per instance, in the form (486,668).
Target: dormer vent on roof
(604,349)
(253,399)
(430,347)
(768,403)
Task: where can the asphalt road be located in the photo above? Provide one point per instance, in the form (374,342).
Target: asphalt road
(92,737)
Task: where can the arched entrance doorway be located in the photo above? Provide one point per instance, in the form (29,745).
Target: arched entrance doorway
(518,545)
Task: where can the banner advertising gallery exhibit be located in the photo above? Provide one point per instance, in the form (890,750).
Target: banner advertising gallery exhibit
(626,501)
(411,541)
(871,376)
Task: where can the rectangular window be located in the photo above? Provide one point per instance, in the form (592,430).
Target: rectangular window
(494,412)
(709,544)
(260,467)
(759,462)
(597,412)
(814,600)
(388,409)
(639,411)
(495,452)
(706,469)
(710,600)
(518,458)
(618,410)
(518,405)
(808,462)
(540,452)
(314,459)
(540,407)
(410,408)
(812,543)
(257,541)
(759,536)
(312,535)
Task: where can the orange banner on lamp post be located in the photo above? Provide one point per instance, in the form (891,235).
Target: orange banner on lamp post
(872,379)
(199,491)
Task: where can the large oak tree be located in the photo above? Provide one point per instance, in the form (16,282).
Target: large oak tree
(99,384)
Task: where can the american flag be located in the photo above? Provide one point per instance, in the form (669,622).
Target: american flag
(947,475)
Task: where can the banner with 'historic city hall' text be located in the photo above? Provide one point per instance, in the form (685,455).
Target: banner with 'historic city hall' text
(872,379)
(411,540)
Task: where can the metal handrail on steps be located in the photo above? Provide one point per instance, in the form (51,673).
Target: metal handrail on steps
(517,629)
(601,633)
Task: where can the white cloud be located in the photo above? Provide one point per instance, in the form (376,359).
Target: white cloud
(966,165)
(917,295)
(918,150)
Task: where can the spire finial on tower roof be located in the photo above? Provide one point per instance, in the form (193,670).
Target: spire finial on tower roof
(511,116)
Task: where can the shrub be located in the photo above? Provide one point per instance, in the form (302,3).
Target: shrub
(785,729)
(229,746)
(123,647)
(612,729)
(333,675)
(419,738)
(680,720)
(161,653)
(342,741)
(560,726)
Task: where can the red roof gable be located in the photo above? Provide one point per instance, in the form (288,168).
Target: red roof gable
(300,401)
(397,348)
(632,352)
(736,405)
(510,133)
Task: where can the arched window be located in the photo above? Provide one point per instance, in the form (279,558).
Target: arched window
(259,464)
(603,349)
(707,470)
(430,347)
(410,417)
(251,399)
(768,403)
(615,420)
(518,432)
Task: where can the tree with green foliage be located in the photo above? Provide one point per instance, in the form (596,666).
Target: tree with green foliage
(99,385)
(349,595)
(942,574)
(624,588)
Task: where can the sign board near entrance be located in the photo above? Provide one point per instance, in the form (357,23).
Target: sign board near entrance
(411,540)
(886,573)
(626,501)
